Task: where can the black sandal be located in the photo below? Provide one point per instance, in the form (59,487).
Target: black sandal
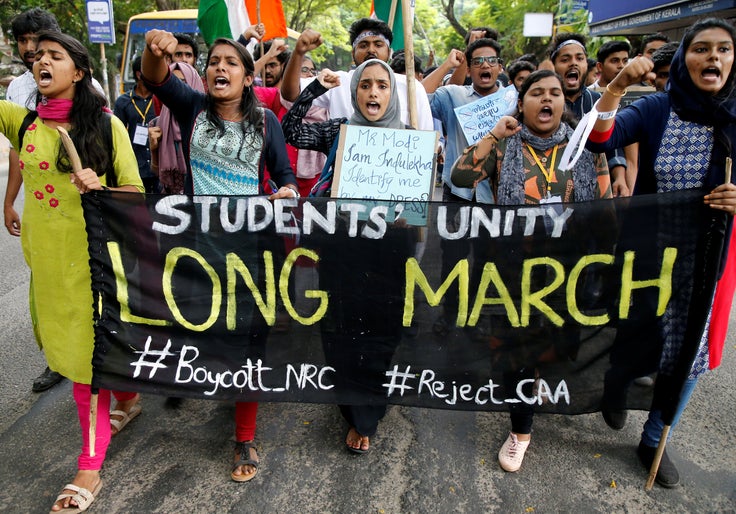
(243,448)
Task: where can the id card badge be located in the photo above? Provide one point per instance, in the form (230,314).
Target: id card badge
(141,135)
(551,199)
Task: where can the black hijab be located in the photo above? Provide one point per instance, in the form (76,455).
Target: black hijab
(694,105)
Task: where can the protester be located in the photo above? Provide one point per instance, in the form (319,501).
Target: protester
(662,59)
(593,72)
(569,57)
(612,57)
(248,138)
(369,39)
(398,64)
(693,122)
(187,50)
(361,349)
(133,108)
(54,238)
(274,63)
(520,157)
(652,43)
(308,69)
(460,75)
(22,91)
(485,65)
(518,71)
(167,151)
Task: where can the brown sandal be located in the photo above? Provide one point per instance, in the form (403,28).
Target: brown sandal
(243,448)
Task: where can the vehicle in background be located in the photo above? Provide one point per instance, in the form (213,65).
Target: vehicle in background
(182,20)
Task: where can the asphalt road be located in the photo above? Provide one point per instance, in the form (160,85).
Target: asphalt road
(421,460)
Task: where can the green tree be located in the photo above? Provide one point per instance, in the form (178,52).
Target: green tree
(507,17)
(72,18)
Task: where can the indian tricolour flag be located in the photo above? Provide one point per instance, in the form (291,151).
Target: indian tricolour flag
(390,12)
(230,18)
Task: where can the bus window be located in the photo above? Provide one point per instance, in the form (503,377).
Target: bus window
(183,20)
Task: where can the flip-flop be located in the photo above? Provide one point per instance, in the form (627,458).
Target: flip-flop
(127,417)
(83,497)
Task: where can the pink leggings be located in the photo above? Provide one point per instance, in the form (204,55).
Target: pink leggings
(245,420)
(82,396)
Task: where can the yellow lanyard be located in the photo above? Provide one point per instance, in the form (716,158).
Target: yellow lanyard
(148,106)
(549,175)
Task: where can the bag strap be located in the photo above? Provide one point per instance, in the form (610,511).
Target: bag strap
(30,118)
(112,179)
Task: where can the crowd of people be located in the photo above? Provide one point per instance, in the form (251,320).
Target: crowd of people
(268,123)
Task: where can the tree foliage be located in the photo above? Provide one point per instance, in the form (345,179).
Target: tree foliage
(440,24)
(72,18)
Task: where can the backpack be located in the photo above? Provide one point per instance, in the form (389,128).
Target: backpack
(107,133)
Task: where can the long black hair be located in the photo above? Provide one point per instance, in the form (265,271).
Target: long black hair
(249,104)
(87,114)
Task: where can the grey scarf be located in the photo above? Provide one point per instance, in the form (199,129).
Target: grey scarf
(511,180)
(392,117)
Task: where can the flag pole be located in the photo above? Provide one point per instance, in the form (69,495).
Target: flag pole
(701,300)
(411,95)
(258,20)
(657,458)
(76,163)
(392,13)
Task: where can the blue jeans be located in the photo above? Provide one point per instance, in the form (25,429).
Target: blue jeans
(654,425)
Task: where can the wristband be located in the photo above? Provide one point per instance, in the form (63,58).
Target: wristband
(296,192)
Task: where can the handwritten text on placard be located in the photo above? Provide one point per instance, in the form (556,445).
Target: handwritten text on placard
(387,164)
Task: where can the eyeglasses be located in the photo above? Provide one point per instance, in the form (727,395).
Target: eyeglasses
(491,60)
(308,71)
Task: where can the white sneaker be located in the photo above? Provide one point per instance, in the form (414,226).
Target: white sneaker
(512,453)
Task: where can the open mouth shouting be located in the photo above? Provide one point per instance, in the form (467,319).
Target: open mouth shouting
(373,108)
(711,74)
(44,78)
(221,83)
(545,114)
(486,77)
(572,79)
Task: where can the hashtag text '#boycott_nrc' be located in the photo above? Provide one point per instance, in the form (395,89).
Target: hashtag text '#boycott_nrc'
(255,376)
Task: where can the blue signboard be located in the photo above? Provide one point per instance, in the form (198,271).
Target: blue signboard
(186,26)
(606,10)
(610,17)
(100,21)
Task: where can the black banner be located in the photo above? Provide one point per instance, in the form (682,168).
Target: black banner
(341,301)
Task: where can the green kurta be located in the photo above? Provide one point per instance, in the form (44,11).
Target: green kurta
(54,242)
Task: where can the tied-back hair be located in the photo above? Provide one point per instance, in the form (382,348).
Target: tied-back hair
(532,79)
(253,115)
(87,113)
